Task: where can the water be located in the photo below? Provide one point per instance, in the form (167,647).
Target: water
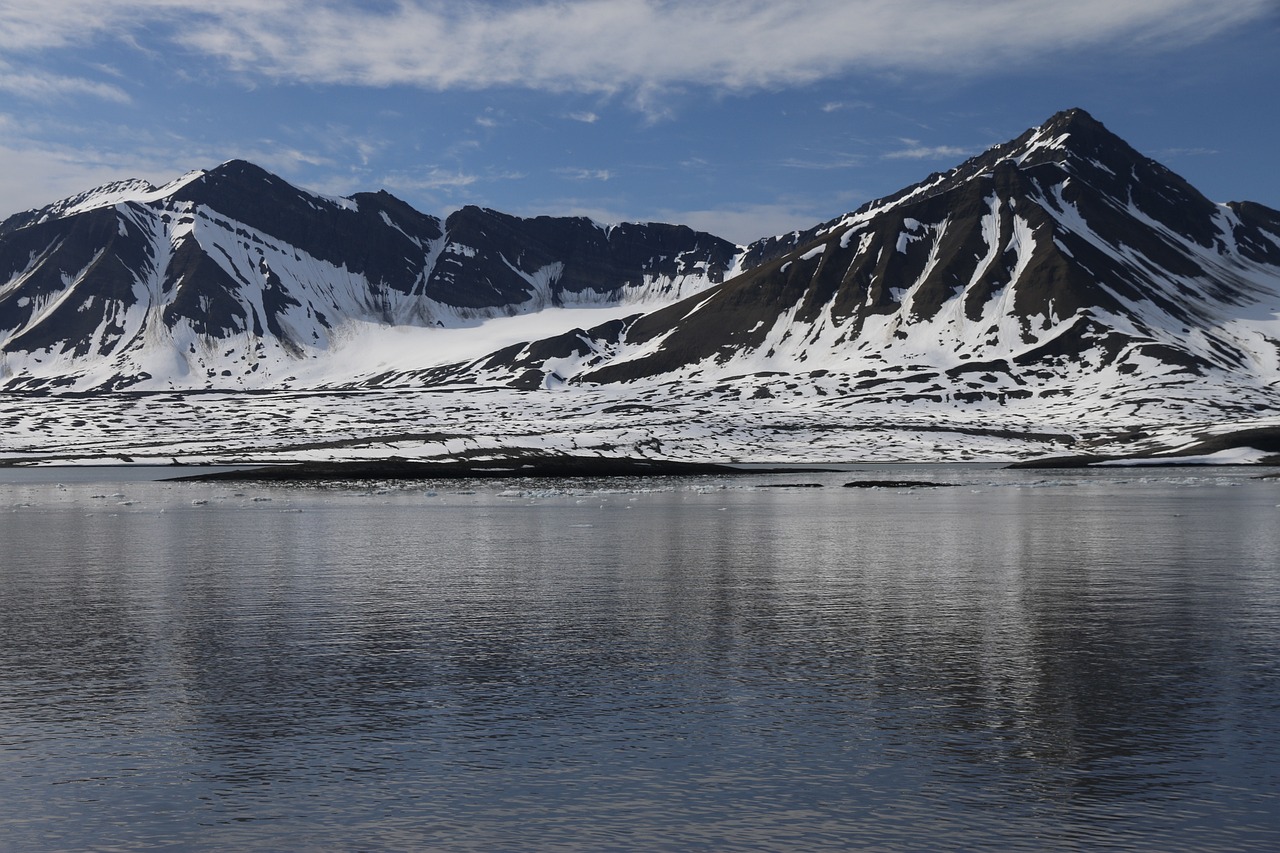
(1079,660)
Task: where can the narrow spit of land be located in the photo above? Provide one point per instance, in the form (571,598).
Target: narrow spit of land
(549,466)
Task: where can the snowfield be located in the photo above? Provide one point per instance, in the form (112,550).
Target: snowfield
(694,422)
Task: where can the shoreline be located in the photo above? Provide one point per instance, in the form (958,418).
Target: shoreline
(523,468)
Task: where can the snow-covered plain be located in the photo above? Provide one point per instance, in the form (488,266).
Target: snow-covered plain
(698,422)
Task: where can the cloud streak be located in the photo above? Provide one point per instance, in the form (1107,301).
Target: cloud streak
(576,174)
(928,152)
(42,86)
(613,46)
(437,179)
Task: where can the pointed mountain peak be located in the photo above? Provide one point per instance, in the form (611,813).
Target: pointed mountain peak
(238,173)
(234,184)
(1075,133)
(1070,135)
(1070,145)
(1080,147)
(242,169)
(1073,120)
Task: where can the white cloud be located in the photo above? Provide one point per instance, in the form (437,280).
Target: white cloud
(926,152)
(826,162)
(640,47)
(38,174)
(438,179)
(584,117)
(39,85)
(838,106)
(433,179)
(40,168)
(585,174)
(1175,153)
(283,159)
(26,26)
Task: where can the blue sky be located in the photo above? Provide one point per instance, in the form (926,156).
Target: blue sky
(742,117)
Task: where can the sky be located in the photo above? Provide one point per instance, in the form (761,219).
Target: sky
(745,118)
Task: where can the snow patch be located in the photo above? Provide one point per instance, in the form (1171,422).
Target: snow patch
(1231,456)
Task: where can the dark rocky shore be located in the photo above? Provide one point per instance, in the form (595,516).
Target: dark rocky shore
(529,466)
(896,484)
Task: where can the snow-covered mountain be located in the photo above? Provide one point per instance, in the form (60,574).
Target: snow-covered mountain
(1062,268)
(234,278)
(1059,293)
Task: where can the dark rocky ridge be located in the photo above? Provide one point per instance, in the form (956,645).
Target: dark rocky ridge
(594,258)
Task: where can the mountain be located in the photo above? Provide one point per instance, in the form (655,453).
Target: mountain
(231,277)
(1062,268)
(1059,293)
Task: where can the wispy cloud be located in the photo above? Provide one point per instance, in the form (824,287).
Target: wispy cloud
(432,179)
(585,174)
(915,151)
(36,176)
(284,159)
(40,170)
(584,117)
(826,162)
(840,106)
(441,179)
(639,47)
(38,85)
(1175,153)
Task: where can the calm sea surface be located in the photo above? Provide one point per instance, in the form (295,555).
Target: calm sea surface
(1030,660)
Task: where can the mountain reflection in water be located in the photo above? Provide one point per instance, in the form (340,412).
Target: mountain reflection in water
(673,665)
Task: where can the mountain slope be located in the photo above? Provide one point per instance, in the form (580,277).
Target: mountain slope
(235,278)
(1059,266)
